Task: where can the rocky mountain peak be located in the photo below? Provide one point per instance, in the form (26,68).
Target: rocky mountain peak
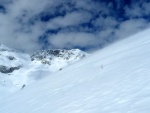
(18,69)
(49,56)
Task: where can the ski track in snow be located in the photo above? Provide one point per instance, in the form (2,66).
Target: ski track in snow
(115,79)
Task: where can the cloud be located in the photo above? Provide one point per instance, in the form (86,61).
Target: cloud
(70,40)
(105,22)
(69,24)
(16,31)
(70,19)
(130,27)
(138,10)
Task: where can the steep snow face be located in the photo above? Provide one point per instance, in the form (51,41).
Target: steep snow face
(11,64)
(17,69)
(115,79)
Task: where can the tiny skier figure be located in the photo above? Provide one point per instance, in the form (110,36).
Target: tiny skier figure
(102,66)
(23,86)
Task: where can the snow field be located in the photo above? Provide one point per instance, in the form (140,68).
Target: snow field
(113,80)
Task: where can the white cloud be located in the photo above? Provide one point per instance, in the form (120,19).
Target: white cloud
(138,9)
(73,18)
(130,27)
(105,22)
(20,26)
(69,40)
(93,6)
(14,28)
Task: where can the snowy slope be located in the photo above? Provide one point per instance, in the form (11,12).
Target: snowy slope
(17,69)
(11,64)
(113,80)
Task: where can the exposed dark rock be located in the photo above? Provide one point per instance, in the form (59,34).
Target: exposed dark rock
(46,56)
(11,58)
(45,62)
(23,86)
(4,69)
(60,69)
(56,52)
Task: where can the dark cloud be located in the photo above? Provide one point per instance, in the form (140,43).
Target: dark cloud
(30,25)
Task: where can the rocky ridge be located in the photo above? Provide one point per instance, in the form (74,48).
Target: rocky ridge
(51,56)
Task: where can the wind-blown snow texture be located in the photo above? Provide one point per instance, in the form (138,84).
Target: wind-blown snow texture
(113,80)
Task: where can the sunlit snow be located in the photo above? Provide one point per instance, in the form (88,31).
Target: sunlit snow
(115,79)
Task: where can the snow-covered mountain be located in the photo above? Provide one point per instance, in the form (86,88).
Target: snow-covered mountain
(11,60)
(18,69)
(115,79)
(12,63)
(58,56)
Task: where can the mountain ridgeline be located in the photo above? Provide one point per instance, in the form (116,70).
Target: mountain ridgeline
(49,56)
(18,69)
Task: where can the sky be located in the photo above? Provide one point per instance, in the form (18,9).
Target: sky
(31,25)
